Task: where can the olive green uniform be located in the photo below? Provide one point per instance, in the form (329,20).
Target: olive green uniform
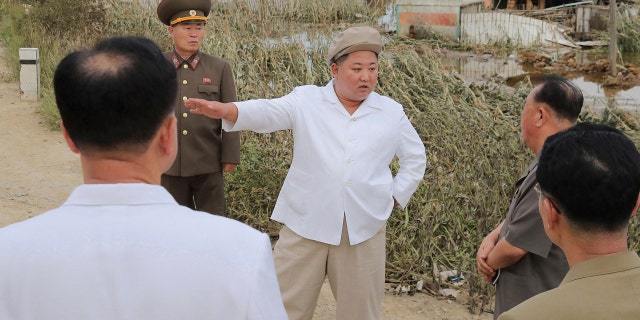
(196,174)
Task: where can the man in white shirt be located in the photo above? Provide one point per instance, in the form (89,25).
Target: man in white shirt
(339,191)
(120,247)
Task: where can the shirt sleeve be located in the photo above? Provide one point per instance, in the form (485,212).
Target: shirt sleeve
(412,159)
(526,229)
(265,115)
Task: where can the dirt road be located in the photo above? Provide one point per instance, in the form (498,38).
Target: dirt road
(37,171)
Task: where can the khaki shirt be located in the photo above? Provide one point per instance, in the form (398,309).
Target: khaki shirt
(606,287)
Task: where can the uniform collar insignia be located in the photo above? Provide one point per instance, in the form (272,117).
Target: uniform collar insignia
(192,61)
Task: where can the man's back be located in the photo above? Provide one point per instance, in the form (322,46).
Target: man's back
(607,287)
(128,251)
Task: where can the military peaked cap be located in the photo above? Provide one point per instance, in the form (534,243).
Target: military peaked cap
(171,12)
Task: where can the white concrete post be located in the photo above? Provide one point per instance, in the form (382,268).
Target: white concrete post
(582,20)
(29,74)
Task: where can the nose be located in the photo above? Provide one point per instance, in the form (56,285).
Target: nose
(365,76)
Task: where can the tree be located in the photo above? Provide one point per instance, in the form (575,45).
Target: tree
(613,38)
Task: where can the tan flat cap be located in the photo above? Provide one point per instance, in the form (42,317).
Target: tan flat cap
(171,12)
(354,39)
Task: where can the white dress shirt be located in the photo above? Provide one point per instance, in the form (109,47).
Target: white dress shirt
(129,251)
(340,165)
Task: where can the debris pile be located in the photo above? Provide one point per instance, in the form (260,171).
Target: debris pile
(628,74)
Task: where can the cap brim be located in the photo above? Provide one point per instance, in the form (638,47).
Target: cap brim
(357,47)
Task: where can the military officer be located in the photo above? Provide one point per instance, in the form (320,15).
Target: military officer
(205,151)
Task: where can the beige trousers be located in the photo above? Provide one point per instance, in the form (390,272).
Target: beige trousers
(356,274)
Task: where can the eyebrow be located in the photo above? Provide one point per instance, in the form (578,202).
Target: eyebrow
(360,63)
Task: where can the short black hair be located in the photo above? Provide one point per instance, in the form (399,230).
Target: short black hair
(592,172)
(564,97)
(115,95)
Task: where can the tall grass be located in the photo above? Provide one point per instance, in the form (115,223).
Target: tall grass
(304,11)
(11,39)
(471,132)
(628,26)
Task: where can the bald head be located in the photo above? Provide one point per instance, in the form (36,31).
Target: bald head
(105,65)
(561,95)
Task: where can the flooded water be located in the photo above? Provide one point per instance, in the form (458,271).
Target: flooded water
(486,67)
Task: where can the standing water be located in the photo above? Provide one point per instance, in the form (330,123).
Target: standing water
(509,70)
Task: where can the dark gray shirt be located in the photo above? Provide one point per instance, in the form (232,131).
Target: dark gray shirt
(544,265)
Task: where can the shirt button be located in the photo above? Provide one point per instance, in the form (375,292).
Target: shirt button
(184,81)
(351,139)
(185,132)
(184,115)
(185,66)
(184,98)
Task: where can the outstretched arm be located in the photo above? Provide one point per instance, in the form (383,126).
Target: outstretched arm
(213,109)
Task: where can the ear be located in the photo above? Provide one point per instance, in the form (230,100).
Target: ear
(167,136)
(544,115)
(171,30)
(635,209)
(551,214)
(334,69)
(72,146)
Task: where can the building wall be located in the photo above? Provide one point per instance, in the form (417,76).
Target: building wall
(486,28)
(442,16)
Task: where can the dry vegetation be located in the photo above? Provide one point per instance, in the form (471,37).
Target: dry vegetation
(471,132)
